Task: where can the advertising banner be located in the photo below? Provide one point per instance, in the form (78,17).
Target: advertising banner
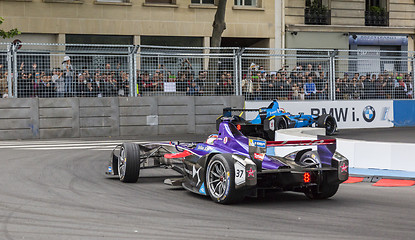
(348,114)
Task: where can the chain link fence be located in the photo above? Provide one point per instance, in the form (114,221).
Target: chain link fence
(187,71)
(69,70)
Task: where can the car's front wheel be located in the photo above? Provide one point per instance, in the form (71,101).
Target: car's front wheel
(129,163)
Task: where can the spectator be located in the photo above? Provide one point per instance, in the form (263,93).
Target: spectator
(380,85)
(6,93)
(401,88)
(410,87)
(296,92)
(256,88)
(68,75)
(3,83)
(310,89)
(181,84)
(59,83)
(146,84)
(98,84)
(201,80)
(193,89)
(124,85)
(89,91)
(355,89)
(322,86)
(247,86)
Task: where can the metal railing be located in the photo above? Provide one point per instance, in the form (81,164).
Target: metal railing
(43,70)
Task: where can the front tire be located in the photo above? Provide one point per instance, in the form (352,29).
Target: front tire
(220,180)
(129,163)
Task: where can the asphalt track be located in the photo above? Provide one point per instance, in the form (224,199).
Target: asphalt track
(58,190)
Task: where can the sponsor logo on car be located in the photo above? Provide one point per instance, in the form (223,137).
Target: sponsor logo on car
(343,168)
(257,143)
(259,156)
(251,172)
(202,189)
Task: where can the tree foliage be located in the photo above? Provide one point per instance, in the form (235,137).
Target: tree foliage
(9,34)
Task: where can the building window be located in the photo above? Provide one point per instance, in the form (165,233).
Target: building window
(246,3)
(317,12)
(376,13)
(203,1)
(112,1)
(160,1)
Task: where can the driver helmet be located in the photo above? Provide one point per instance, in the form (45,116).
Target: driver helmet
(211,139)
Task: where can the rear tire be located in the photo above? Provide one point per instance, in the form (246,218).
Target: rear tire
(327,122)
(220,180)
(326,191)
(279,124)
(129,163)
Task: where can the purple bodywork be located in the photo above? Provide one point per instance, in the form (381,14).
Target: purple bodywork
(230,140)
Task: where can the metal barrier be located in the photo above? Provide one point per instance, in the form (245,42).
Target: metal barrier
(62,70)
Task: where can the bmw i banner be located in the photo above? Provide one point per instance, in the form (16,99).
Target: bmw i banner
(348,114)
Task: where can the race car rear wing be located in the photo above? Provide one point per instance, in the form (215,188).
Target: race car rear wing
(326,147)
(227,112)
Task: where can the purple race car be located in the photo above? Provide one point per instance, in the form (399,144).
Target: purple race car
(230,166)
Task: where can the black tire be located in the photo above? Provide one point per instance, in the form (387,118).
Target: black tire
(129,163)
(327,122)
(114,160)
(222,189)
(280,123)
(326,191)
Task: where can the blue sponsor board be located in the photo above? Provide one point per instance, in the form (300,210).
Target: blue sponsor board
(404,113)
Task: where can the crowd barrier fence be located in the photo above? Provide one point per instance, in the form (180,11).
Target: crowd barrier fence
(73,70)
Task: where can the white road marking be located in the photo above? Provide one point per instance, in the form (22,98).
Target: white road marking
(62,145)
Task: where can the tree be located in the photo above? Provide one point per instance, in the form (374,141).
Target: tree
(219,24)
(9,34)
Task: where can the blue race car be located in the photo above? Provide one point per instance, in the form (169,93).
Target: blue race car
(229,166)
(274,118)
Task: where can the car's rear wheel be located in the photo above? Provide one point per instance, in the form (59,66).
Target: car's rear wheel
(328,122)
(220,180)
(129,163)
(326,191)
(279,124)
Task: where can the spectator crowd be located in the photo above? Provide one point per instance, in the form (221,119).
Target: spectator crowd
(299,83)
(311,83)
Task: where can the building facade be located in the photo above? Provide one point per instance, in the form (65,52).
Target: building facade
(350,24)
(153,22)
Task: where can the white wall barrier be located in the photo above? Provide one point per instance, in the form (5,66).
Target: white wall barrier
(361,154)
(348,114)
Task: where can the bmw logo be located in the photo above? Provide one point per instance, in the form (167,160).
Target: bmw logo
(369,114)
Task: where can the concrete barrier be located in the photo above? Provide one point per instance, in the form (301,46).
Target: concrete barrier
(33,118)
(361,154)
